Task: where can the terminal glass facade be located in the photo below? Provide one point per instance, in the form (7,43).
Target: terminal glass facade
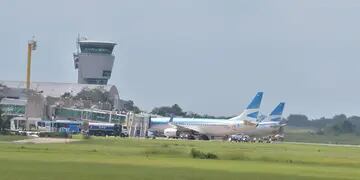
(118,118)
(96,81)
(10,109)
(68,113)
(87,114)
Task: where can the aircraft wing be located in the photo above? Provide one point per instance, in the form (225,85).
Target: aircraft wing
(180,127)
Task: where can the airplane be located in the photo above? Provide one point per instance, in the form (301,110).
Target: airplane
(271,126)
(205,128)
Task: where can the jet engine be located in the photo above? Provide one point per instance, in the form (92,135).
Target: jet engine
(171,132)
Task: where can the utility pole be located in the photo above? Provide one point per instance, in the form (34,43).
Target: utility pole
(31,47)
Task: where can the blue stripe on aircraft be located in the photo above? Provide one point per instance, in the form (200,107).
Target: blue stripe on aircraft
(159,121)
(253,115)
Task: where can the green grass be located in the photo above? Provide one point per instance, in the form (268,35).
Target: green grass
(115,158)
(8,138)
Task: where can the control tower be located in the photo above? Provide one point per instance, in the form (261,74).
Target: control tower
(94,61)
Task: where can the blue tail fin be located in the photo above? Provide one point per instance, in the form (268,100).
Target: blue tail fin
(255,103)
(252,110)
(277,112)
(171,118)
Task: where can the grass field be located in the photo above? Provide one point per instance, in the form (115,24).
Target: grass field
(11,138)
(115,158)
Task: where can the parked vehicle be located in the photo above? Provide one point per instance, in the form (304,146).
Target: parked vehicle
(107,129)
(239,138)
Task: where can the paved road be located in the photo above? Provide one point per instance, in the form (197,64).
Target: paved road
(45,140)
(323,144)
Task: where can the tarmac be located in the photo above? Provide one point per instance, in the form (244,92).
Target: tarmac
(45,140)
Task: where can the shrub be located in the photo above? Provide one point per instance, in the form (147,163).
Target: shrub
(55,134)
(197,154)
(86,136)
(164,145)
(211,156)
(265,158)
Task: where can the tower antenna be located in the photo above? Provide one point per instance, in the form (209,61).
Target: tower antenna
(77,44)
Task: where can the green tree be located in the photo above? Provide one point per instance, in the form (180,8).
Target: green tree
(130,106)
(347,127)
(298,120)
(94,95)
(85,126)
(4,122)
(1,119)
(340,117)
(67,95)
(175,110)
(342,127)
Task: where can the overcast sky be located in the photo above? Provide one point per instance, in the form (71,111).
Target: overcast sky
(207,56)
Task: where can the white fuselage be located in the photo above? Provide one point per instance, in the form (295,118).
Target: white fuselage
(210,127)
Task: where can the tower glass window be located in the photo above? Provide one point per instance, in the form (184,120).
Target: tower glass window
(107,74)
(87,48)
(96,81)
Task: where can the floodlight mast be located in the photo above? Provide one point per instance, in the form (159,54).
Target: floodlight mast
(31,47)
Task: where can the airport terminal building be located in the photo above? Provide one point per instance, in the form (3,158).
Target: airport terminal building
(59,101)
(45,100)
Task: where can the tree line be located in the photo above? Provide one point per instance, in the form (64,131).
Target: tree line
(339,124)
(176,110)
(101,95)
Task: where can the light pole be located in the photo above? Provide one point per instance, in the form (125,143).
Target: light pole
(31,47)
